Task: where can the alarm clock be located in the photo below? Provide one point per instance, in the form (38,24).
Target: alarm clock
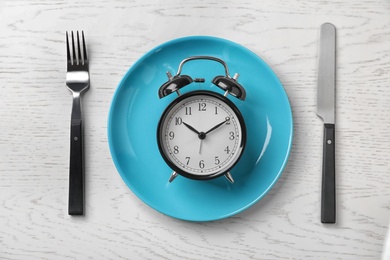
(201,134)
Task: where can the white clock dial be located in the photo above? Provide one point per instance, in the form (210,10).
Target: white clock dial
(202,135)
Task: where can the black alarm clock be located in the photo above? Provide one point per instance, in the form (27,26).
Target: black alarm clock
(201,134)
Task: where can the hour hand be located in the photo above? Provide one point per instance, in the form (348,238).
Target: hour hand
(191,128)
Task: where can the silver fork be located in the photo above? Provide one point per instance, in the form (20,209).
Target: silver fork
(77,80)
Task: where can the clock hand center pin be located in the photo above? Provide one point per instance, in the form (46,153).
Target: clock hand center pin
(201,135)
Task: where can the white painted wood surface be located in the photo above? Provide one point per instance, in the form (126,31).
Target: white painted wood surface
(34,131)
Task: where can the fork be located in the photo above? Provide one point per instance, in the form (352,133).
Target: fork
(77,80)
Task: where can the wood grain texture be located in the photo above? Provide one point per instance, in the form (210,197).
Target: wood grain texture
(34,131)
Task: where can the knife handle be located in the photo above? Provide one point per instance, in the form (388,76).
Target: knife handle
(328,198)
(76,170)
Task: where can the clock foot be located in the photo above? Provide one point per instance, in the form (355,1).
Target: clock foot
(229,177)
(173,176)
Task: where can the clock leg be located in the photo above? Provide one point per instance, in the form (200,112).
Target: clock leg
(173,176)
(229,177)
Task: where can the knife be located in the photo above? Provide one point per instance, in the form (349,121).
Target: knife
(326,87)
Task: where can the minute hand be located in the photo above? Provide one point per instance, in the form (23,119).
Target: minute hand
(217,126)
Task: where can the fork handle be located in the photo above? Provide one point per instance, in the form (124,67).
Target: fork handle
(76,170)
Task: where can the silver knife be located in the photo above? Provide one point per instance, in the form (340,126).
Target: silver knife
(326,110)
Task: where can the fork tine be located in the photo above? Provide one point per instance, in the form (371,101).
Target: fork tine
(80,60)
(84,49)
(67,48)
(74,52)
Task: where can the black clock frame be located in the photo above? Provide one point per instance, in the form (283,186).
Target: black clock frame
(161,135)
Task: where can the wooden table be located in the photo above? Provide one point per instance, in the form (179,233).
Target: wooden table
(34,131)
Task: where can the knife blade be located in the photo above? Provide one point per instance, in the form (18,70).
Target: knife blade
(326,99)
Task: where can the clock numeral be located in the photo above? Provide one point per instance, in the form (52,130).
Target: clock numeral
(178,120)
(227,120)
(231,137)
(188,160)
(188,111)
(201,164)
(216,110)
(217,161)
(227,150)
(202,106)
(176,149)
(171,135)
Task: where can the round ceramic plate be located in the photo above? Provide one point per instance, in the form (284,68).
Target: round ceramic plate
(136,109)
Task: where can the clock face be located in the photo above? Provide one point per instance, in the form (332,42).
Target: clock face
(201,135)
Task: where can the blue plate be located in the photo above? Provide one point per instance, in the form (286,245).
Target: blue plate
(136,110)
